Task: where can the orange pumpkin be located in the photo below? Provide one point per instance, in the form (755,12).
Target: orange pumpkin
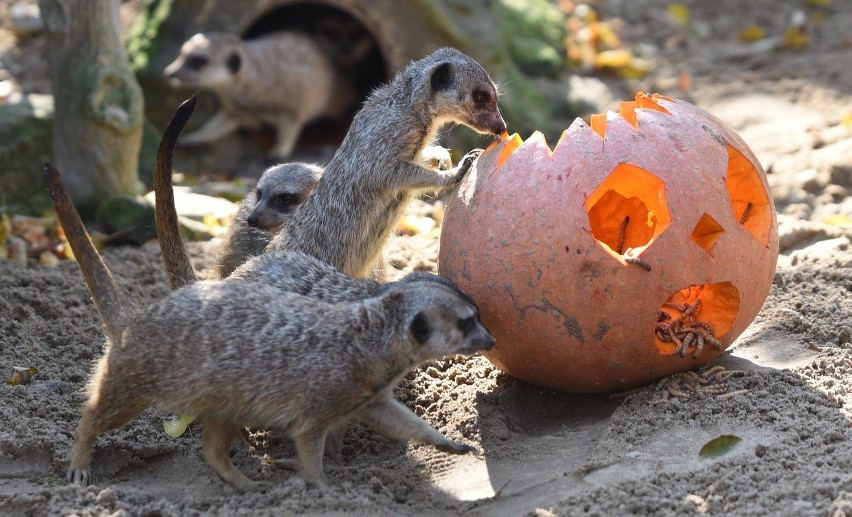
(642,245)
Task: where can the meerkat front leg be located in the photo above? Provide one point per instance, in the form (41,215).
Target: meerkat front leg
(220,125)
(216,449)
(412,176)
(309,447)
(395,420)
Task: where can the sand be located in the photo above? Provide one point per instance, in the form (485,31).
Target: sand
(540,452)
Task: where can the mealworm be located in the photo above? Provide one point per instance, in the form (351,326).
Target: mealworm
(621,234)
(746,212)
(638,262)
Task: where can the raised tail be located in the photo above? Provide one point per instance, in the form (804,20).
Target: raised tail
(98,277)
(175,257)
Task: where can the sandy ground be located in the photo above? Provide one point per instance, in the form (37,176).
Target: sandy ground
(541,452)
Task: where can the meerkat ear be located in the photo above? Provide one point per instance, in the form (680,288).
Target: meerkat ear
(234,62)
(419,328)
(441,77)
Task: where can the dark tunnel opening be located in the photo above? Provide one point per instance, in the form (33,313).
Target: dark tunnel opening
(354,49)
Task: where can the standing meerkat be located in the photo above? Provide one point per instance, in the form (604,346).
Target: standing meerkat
(373,175)
(264,210)
(306,368)
(283,79)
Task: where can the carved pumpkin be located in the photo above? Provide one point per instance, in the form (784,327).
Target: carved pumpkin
(642,245)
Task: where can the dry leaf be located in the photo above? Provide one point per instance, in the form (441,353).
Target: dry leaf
(22,375)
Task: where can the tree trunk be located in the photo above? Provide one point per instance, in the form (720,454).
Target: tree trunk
(98,103)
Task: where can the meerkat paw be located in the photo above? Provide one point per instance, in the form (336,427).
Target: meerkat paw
(436,157)
(287,463)
(455,447)
(78,477)
(466,163)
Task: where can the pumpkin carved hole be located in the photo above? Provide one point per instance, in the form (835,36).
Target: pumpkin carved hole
(749,200)
(706,232)
(627,110)
(715,314)
(628,211)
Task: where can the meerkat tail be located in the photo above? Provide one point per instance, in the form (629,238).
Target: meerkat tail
(98,277)
(175,258)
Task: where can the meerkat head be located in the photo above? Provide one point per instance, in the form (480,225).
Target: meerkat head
(458,89)
(207,60)
(436,319)
(279,191)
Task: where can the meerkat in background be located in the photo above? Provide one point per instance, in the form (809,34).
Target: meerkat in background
(280,189)
(373,175)
(306,367)
(283,79)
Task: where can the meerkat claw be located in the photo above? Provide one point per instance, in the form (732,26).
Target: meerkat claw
(78,477)
(456,448)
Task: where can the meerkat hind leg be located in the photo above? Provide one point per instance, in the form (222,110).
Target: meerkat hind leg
(393,419)
(98,418)
(218,438)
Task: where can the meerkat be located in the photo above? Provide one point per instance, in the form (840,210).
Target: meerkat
(284,79)
(373,175)
(243,240)
(288,271)
(306,367)
(280,189)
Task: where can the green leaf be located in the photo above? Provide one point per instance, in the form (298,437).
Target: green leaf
(719,446)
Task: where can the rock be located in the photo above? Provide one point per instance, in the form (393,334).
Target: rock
(25,20)
(26,142)
(127,220)
(195,206)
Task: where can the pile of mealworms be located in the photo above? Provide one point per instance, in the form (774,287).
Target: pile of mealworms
(686,329)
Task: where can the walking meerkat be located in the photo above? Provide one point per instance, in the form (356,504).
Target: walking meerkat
(375,172)
(307,366)
(264,210)
(283,79)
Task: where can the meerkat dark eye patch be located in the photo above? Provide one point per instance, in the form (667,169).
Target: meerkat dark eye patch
(467,324)
(195,62)
(234,63)
(481,98)
(419,328)
(286,199)
(442,77)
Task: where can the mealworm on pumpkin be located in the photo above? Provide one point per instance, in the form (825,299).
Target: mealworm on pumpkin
(746,212)
(638,262)
(621,234)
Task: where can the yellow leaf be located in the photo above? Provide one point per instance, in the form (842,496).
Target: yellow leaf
(751,34)
(679,13)
(415,224)
(847,120)
(176,425)
(837,220)
(794,38)
(618,58)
